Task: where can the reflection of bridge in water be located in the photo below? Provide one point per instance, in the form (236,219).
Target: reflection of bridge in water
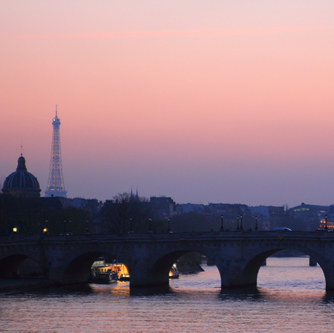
(149,257)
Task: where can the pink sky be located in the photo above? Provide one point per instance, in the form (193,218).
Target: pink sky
(203,101)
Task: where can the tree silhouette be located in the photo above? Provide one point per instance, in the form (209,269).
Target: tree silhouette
(124,213)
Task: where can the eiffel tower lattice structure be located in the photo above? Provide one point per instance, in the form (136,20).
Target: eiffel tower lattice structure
(56,185)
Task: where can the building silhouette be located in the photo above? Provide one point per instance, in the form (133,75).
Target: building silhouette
(21,183)
(55,185)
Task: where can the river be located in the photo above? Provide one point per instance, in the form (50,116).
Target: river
(290,297)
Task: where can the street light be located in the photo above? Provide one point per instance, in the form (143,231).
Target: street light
(222,223)
(168,228)
(241,227)
(238,223)
(149,225)
(255,222)
(131,226)
(326,227)
(14,229)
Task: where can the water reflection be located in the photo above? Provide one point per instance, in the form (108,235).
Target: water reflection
(328,297)
(292,296)
(60,292)
(277,296)
(240,294)
(152,291)
(120,289)
(191,304)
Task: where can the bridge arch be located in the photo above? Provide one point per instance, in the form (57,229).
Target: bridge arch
(162,264)
(20,265)
(159,273)
(78,267)
(254,262)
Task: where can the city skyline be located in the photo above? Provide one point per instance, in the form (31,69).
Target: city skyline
(202,102)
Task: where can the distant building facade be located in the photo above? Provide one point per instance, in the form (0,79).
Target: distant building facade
(91,205)
(162,208)
(327,219)
(306,217)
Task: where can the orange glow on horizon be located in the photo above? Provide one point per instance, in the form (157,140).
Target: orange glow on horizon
(132,34)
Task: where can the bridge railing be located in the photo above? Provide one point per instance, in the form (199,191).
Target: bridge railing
(182,236)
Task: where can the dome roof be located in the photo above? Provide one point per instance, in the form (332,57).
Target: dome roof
(21,182)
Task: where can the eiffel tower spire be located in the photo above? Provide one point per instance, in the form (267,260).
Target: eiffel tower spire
(56,185)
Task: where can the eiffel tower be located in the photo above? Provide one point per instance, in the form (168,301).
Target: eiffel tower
(56,185)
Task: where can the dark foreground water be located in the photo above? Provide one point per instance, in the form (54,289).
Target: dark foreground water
(291,297)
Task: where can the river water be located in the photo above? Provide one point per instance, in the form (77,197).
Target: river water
(291,297)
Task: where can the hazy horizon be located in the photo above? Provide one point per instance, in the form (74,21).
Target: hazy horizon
(215,101)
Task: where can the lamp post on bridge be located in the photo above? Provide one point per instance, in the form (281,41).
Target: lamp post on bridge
(237,222)
(45,229)
(150,225)
(241,226)
(222,223)
(131,226)
(326,226)
(256,222)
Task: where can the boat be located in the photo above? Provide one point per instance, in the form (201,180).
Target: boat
(103,272)
(122,271)
(116,271)
(174,272)
(105,277)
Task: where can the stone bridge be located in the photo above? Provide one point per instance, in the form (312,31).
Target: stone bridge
(238,256)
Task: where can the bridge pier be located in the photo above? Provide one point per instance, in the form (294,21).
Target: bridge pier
(233,275)
(142,279)
(143,273)
(312,262)
(328,270)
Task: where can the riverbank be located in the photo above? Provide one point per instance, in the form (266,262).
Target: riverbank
(17,285)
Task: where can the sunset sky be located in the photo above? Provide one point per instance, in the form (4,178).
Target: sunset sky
(203,101)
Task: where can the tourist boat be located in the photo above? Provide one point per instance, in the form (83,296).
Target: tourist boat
(102,271)
(116,271)
(105,277)
(174,273)
(122,271)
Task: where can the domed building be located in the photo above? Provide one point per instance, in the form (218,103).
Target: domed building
(21,183)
